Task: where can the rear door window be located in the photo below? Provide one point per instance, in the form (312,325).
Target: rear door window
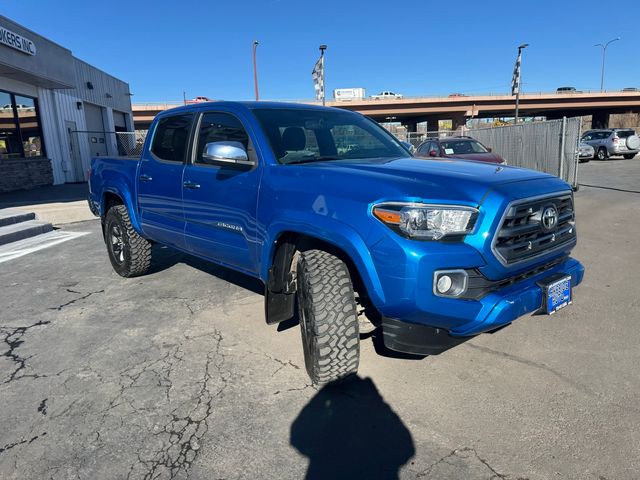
(171,138)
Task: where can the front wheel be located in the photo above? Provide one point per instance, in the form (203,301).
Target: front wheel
(602,153)
(328,317)
(129,253)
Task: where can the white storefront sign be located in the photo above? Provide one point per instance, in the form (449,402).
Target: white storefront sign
(13,40)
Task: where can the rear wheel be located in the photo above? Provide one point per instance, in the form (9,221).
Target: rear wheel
(328,317)
(129,253)
(629,156)
(602,153)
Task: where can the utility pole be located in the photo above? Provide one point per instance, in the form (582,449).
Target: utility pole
(520,48)
(184,97)
(255,69)
(324,85)
(604,52)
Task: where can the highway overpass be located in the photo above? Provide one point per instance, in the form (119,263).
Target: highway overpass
(412,110)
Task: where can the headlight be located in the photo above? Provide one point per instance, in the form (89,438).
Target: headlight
(427,222)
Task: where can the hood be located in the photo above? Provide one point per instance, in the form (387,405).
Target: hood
(481,157)
(410,178)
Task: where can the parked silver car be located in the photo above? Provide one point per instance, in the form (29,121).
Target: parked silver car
(613,141)
(585,152)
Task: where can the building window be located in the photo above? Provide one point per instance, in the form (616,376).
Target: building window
(20,128)
(10,145)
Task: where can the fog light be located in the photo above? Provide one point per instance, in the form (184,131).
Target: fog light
(450,283)
(444,283)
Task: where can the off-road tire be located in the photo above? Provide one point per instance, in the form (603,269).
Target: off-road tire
(629,156)
(134,258)
(602,154)
(328,317)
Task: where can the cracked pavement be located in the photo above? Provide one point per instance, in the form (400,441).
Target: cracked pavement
(176,375)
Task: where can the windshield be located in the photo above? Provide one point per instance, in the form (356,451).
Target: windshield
(305,135)
(461,147)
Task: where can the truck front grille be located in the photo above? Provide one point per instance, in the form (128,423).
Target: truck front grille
(525,234)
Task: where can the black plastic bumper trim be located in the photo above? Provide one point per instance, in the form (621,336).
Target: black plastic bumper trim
(417,339)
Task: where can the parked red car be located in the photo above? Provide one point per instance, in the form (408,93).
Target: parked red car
(465,148)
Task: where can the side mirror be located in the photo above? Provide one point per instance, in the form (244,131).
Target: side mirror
(489,149)
(408,146)
(433,153)
(226,152)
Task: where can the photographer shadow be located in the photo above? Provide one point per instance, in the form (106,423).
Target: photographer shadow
(348,431)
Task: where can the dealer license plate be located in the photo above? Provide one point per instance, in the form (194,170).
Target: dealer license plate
(557,294)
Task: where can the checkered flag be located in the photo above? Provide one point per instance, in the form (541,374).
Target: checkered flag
(317,75)
(515,81)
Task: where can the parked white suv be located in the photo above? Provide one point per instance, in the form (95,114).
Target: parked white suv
(613,141)
(386,94)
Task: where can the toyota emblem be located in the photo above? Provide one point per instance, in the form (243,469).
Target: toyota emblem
(549,218)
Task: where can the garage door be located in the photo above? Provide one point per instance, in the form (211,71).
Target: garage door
(96,134)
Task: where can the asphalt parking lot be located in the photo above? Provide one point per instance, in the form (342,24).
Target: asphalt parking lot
(176,374)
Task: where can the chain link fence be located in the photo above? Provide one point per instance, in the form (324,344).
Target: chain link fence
(550,146)
(130,143)
(101,143)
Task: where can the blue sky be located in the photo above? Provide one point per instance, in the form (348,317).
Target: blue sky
(413,47)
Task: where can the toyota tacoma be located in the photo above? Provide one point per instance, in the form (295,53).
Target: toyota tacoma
(346,230)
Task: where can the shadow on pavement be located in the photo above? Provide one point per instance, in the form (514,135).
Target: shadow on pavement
(69,192)
(348,431)
(167,257)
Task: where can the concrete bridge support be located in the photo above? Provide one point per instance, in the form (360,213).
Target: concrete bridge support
(600,120)
(410,125)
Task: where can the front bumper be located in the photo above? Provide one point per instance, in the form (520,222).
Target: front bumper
(424,333)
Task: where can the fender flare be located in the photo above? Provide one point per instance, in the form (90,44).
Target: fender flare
(124,193)
(331,231)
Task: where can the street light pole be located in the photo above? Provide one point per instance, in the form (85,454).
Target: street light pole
(324,85)
(255,69)
(520,48)
(604,51)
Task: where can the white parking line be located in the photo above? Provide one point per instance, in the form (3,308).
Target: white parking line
(14,250)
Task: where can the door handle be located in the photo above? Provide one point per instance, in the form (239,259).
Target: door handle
(145,178)
(191,185)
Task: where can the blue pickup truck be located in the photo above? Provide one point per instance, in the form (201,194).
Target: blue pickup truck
(347,231)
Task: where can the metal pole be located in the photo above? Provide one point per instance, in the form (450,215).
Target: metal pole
(184,97)
(604,52)
(520,48)
(563,137)
(324,85)
(255,69)
(576,160)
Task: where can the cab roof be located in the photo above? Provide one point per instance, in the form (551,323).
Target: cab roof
(251,105)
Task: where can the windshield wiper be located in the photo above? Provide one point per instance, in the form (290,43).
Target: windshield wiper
(314,159)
